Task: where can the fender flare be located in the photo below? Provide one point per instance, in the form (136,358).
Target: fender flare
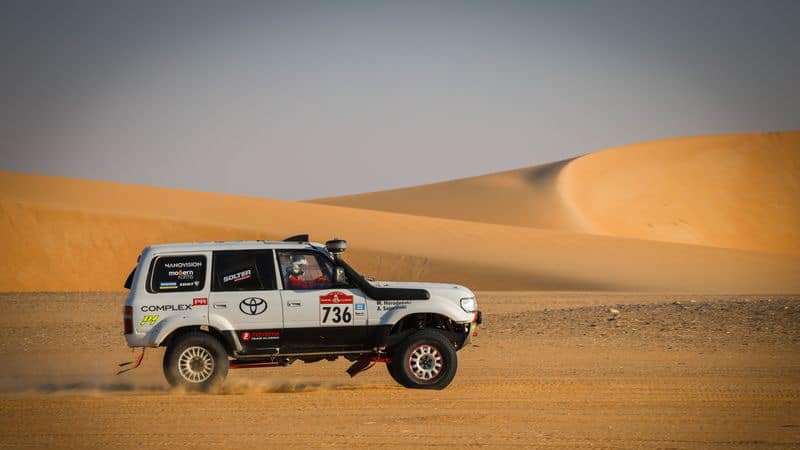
(449,310)
(164,329)
(391,335)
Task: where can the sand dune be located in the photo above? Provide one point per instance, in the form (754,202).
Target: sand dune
(528,197)
(60,234)
(732,191)
(736,191)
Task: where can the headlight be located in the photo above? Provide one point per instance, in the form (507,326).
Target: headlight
(469,304)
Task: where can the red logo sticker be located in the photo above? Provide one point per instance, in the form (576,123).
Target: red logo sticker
(200,301)
(248,336)
(264,335)
(335,298)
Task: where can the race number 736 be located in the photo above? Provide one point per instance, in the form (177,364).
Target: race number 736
(336,314)
(336,308)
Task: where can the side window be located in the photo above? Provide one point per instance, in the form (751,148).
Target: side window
(178,273)
(305,270)
(243,270)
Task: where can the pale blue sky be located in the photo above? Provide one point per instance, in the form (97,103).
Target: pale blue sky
(300,99)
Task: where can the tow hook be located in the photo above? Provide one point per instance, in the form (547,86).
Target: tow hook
(363,364)
(136,363)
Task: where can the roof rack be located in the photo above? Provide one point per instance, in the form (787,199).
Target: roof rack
(297,238)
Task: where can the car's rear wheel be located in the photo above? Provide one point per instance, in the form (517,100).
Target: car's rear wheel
(424,360)
(196,361)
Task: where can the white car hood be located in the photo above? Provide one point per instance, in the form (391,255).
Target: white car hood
(449,290)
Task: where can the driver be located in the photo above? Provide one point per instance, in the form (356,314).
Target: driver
(296,278)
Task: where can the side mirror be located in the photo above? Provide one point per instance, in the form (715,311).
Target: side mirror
(341,278)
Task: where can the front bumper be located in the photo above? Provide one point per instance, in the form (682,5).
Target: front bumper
(473,327)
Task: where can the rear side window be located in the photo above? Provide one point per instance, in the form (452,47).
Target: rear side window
(178,273)
(244,270)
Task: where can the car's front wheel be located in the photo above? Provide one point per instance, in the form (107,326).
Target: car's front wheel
(196,361)
(424,360)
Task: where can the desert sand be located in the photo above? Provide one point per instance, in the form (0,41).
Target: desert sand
(679,330)
(736,191)
(61,234)
(548,370)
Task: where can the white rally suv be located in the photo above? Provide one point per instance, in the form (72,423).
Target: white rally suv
(222,305)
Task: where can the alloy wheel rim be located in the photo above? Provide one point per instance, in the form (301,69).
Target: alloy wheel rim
(196,364)
(426,362)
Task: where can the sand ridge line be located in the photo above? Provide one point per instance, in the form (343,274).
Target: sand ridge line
(734,191)
(38,239)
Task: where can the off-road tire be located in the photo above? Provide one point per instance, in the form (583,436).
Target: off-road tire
(186,362)
(426,353)
(393,373)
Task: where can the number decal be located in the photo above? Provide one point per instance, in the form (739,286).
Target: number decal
(336,315)
(336,309)
(327,310)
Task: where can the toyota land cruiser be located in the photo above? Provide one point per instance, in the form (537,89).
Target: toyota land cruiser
(222,305)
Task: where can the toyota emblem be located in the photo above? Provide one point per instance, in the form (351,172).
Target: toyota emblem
(253,306)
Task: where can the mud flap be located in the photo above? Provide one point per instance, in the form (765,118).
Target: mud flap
(365,364)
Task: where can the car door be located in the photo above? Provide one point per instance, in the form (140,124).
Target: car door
(244,299)
(319,316)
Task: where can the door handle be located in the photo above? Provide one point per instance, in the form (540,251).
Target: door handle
(293,304)
(220,305)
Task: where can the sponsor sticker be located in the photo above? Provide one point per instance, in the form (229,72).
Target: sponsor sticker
(182,274)
(183,265)
(238,276)
(201,301)
(361,308)
(148,320)
(247,336)
(153,308)
(168,285)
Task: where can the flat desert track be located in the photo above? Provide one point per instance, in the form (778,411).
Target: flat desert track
(548,370)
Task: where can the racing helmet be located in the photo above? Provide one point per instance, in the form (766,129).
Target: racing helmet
(298,267)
